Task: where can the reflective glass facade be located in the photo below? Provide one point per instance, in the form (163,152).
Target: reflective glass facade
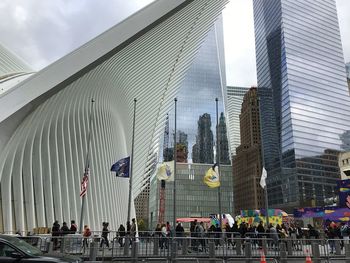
(204,81)
(234,104)
(299,57)
(194,198)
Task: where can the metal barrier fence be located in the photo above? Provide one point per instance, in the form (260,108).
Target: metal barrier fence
(157,247)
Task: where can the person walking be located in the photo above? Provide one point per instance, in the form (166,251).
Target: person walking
(73,227)
(104,234)
(179,233)
(261,232)
(86,236)
(133,231)
(64,229)
(345,231)
(164,234)
(121,233)
(274,236)
(55,232)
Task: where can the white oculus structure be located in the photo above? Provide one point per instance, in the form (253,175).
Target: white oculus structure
(44,119)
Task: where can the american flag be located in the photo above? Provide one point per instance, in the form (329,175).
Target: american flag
(84,183)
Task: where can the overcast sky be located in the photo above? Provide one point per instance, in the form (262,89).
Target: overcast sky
(42,31)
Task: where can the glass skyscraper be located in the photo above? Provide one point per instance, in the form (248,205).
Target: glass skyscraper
(300,61)
(205,80)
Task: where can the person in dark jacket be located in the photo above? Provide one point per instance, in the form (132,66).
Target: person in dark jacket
(179,232)
(73,227)
(64,229)
(104,234)
(55,231)
(121,233)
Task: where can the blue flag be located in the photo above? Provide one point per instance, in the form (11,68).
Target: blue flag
(121,167)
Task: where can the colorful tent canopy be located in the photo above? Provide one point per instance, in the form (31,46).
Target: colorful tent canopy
(191,219)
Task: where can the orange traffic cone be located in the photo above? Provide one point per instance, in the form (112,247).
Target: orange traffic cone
(262,259)
(308,258)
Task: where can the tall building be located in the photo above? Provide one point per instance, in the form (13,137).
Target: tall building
(202,151)
(205,80)
(222,134)
(46,121)
(193,197)
(299,58)
(246,164)
(233,108)
(347,66)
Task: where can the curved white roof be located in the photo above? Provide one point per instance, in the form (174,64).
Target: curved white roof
(44,120)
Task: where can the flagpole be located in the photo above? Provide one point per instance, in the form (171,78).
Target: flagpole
(175,159)
(263,163)
(131,160)
(218,159)
(87,165)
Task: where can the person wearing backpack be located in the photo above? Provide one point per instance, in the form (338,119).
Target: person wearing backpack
(344,232)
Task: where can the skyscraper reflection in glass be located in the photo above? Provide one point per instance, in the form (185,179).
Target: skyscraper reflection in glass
(299,58)
(204,81)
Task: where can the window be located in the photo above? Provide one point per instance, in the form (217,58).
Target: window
(5,250)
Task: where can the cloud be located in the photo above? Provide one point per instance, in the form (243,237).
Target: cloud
(239,43)
(43,31)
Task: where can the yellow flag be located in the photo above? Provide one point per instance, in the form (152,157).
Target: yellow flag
(211,177)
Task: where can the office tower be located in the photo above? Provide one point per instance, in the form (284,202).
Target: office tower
(299,58)
(233,108)
(246,164)
(204,81)
(224,149)
(202,151)
(347,66)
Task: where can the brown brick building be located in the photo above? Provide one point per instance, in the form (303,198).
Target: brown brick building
(246,164)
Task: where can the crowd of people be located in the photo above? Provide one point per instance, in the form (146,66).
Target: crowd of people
(200,234)
(59,231)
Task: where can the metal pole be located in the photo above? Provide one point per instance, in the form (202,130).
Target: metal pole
(175,159)
(131,160)
(218,159)
(87,165)
(263,162)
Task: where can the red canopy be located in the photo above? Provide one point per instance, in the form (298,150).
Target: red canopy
(191,219)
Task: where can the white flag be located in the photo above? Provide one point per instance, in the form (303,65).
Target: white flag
(263,178)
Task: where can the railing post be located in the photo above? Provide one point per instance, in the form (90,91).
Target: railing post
(264,245)
(50,249)
(126,245)
(315,252)
(337,247)
(347,251)
(239,246)
(211,250)
(63,245)
(289,246)
(283,253)
(94,249)
(248,251)
(155,245)
(173,248)
(134,251)
(184,246)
